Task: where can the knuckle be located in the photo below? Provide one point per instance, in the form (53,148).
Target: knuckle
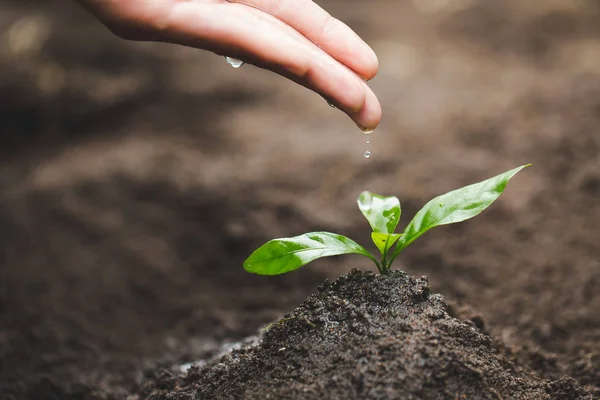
(302,69)
(159,23)
(306,72)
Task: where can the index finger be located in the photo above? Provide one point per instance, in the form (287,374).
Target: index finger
(327,32)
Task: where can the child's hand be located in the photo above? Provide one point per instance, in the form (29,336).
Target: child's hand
(294,38)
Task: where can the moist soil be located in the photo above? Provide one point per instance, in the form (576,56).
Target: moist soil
(135,178)
(366,336)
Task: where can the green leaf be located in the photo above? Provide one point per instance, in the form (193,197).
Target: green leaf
(456,206)
(384,241)
(279,256)
(383,213)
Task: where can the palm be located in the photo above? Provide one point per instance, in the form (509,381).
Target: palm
(294,38)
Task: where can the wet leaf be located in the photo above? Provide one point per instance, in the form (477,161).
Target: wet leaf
(384,241)
(383,213)
(279,256)
(456,206)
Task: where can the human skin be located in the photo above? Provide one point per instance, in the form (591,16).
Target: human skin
(293,38)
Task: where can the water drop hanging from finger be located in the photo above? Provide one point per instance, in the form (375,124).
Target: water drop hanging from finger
(234,62)
(367,131)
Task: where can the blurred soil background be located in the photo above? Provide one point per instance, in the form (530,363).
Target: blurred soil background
(136,177)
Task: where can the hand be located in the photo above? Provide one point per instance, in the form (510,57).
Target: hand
(294,38)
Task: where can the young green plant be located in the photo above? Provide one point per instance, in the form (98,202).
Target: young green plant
(279,256)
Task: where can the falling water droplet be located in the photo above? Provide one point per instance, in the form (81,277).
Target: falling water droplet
(368,138)
(234,62)
(367,154)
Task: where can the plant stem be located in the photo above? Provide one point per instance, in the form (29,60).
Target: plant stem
(379,268)
(384,270)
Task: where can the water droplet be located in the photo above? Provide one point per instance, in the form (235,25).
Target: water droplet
(365,201)
(331,104)
(367,131)
(367,154)
(368,138)
(442,205)
(234,62)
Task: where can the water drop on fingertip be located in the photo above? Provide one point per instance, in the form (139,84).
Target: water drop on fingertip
(331,104)
(367,154)
(234,62)
(367,131)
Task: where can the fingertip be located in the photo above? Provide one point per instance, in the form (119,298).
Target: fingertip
(369,117)
(348,90)
(371,64)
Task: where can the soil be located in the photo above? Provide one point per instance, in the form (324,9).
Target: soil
(366,336)
(136,177)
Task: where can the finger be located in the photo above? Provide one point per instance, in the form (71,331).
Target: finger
(134,19)
(327,32)
(369,116)
(258,38)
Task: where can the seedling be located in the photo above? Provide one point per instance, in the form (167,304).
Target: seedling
(279,256)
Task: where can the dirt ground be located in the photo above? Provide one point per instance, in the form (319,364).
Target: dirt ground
(135,178)
(365,336)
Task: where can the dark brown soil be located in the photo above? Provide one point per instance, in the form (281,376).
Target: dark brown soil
(135,179)
(366,336)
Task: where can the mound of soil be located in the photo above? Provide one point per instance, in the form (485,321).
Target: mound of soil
(366,336)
